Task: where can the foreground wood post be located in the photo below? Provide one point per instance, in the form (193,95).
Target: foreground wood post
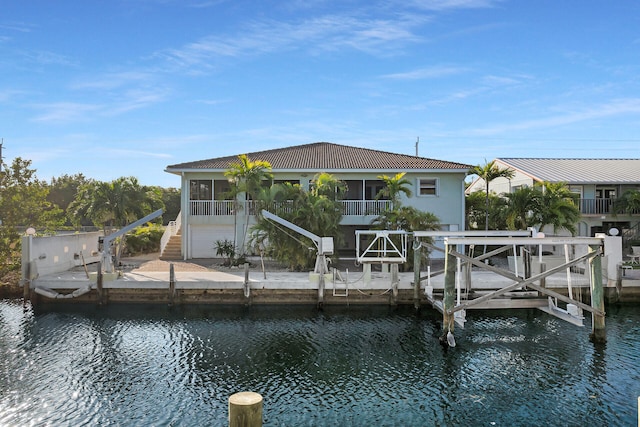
(99,282)
(449,299)
(416,274)
(245,409)
(172,284)
(598,333)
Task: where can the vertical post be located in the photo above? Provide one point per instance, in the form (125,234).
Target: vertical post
(449,299)
(416,273)
(172,284)
(99,283)
(543,281)
(245,409)
(394,282)
(598,333)
(322,270)
(246,281)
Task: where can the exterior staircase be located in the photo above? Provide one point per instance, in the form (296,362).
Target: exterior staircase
(173,249)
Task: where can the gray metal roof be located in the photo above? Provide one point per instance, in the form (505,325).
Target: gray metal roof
(326,156)
(577,171)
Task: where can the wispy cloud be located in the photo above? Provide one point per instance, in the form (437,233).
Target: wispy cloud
(48,58)
(440,5)
(66,112)
(20,27)
(326,33)
(62,112)
(112,80)
(427,73)
(616,107)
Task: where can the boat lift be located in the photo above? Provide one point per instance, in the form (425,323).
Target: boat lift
(324,247)
(525,291)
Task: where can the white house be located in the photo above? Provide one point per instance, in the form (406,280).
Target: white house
(206,216)
(598,182)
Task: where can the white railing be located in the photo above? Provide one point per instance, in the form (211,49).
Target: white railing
(226,207)
(172,229)
(365,207)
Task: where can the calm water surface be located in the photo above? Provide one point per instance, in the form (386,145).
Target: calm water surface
(348,366)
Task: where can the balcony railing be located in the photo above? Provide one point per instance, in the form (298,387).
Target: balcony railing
(226,207)
(599,206)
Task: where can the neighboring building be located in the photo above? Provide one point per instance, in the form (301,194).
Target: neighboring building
(598,182)
(206,217)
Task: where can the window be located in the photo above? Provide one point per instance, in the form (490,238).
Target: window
(200,189)
(428,186)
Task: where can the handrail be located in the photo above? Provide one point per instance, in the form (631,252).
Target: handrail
(171,230)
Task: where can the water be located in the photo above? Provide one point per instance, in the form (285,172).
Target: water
(152,366)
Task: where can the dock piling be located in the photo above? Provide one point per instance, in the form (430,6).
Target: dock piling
(598,333)
(449,299)
(245,409)
(99,283)
(172,284)
(416,273)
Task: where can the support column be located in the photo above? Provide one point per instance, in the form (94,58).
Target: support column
(449,299)
(394,282)
(416,273)
(598,333)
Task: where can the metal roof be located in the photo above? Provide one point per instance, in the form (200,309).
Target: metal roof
(577,171)
(325,156)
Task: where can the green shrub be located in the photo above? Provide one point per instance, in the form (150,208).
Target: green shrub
(145,239)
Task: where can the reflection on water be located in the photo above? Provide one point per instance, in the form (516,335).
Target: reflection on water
(359,366)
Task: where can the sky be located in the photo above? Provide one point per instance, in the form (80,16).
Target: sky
(127,87)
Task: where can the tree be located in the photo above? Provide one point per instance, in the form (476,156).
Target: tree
(558,207)
(318,211)
(325,184)
(522,209)
(476,211)
(23,203)
(246,177)
(115,204)
(488,173)
(393,186)
(628,203)
(544,204)
(171,201)
(63,190)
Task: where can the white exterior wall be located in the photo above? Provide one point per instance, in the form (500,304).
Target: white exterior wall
(55,254)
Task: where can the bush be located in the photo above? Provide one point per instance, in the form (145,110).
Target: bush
(145,239)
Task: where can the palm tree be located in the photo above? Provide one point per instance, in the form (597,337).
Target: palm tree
(522,208)
(393,186)
(115,204)
(628,203)
(488,173)
(246,177)
(558,207)
(325,184)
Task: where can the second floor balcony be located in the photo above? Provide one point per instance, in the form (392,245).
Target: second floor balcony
(228,207)
(598,206)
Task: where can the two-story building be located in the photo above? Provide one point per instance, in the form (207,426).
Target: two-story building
(207,214)
(597,182)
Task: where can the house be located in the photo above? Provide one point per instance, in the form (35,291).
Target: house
(207,214)
(597,182)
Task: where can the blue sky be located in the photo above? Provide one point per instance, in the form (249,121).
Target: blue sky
(127,87)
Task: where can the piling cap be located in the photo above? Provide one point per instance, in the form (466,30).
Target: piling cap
(245,398)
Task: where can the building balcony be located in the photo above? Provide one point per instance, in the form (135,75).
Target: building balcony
(227,207)
(598,206)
